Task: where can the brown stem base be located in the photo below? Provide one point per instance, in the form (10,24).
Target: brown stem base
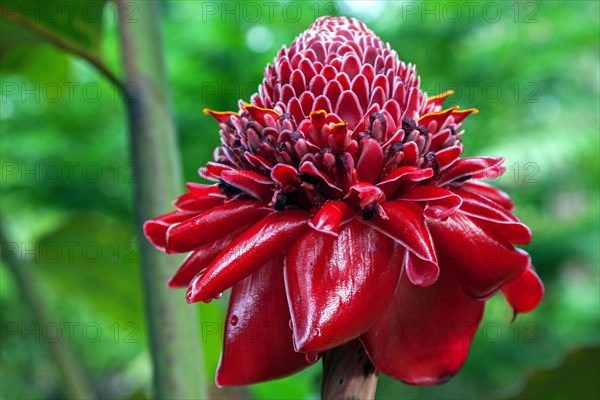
(348,374)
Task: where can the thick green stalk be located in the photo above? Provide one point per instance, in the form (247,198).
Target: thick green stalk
(76,382)
(173,325)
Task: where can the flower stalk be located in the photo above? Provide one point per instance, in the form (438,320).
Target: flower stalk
(348,373)
(173,329)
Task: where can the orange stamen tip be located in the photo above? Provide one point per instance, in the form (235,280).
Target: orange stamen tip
(442,95)
(446,111)
(252,106)
(208,111)
(469,111)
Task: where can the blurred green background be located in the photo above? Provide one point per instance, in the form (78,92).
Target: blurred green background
(531,68)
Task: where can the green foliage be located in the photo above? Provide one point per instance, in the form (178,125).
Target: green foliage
(543,57)
(29,22)
(575,378)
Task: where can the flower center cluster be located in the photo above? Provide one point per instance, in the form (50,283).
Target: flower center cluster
(338,116)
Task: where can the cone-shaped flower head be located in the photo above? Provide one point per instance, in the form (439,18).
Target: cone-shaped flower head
(342,209)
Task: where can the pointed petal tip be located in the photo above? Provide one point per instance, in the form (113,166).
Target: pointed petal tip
(441,96)
(218,383)
(192,294)
(220,116)
(431,380)
(422,272)
(302,341)
(168,241)
(326,232)
(152,231)
(172,285)
(525,292)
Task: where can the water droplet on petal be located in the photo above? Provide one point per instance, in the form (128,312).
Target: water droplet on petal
(234,320)
(312,358)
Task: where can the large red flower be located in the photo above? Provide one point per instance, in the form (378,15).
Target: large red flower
(342,209)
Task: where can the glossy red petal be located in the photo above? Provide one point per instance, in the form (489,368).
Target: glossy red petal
(440,202)
(467,168)
(424,336)
(256,185)
(364,194)
(329,217)
(257,344)
(490,192)
(258,161)
(202,189)
(420,272)
(448,156)
(481,260)
(197,261)
(213,224)
(286,176)
(494,216)
(327,185)
(200,199)
(406,225)
(214,170)
(525,292)
(399,176)
(264,240)
(156,229)
(338,287)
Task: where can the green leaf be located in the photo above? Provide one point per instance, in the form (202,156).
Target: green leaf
(575,378)
(66,23)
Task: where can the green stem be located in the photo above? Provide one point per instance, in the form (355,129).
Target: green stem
(173,326)
(76,383)
(60,42)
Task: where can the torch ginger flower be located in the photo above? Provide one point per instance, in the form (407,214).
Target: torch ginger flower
(342,209)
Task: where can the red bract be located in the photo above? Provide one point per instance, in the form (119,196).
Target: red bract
(342,209)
